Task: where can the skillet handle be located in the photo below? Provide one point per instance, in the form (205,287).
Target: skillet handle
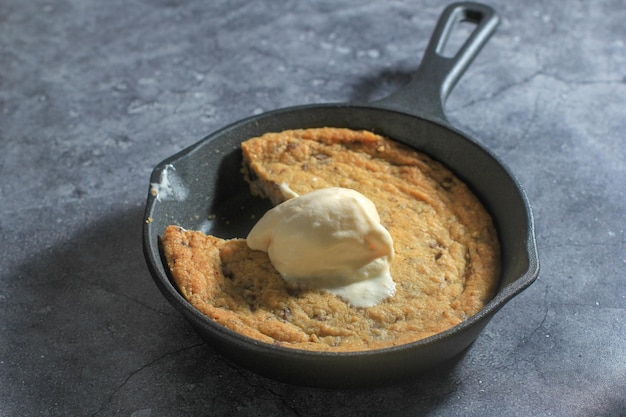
(426,93)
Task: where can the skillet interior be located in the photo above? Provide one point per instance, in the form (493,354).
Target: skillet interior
(219,203)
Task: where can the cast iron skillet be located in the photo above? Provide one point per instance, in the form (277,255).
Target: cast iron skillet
(201,188)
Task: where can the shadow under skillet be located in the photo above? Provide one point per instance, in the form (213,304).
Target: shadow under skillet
(377,86)
(236,390)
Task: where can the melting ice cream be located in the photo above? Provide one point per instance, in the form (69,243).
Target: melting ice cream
(329,239)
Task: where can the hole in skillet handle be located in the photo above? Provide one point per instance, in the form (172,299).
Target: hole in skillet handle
(460,29)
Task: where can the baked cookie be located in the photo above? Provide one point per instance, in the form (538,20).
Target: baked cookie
(446,263)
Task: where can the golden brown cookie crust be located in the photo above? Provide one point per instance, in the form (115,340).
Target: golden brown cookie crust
(446,262)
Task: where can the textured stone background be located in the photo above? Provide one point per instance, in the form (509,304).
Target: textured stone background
(93,94)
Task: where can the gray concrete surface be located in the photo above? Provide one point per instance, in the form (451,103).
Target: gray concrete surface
(94,94)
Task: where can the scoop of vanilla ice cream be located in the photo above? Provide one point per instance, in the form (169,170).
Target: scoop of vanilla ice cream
(329,239)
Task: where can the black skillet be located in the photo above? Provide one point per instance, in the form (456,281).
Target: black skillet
(201,188)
